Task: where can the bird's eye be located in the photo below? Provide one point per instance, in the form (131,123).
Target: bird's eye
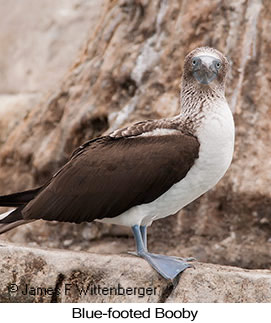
(194,62)
(218,65)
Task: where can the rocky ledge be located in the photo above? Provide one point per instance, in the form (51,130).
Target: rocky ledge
(30,274)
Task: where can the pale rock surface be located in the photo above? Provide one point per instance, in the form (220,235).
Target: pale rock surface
(13,109)
(59,276)
(39,41)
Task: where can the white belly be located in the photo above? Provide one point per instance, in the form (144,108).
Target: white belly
(216,137)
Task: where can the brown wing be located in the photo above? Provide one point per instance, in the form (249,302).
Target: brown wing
(109,176)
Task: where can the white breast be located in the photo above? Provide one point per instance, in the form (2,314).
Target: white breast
(216,137)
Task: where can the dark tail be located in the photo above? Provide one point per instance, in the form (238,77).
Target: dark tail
(11,220)
(14,218)
(18,199)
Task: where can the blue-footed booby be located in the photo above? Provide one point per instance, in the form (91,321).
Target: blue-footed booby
(146,171)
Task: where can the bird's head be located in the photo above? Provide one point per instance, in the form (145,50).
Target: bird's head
(206,67)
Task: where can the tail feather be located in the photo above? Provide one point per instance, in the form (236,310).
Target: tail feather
(4,215)
(12,216)
(12,219)
(18,199)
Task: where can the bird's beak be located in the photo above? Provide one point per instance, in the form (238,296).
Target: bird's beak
(205,68)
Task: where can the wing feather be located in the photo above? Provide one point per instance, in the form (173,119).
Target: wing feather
(109,176)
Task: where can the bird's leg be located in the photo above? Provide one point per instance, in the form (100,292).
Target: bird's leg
(168,267)
(143,233)
(140,247)
(143,230)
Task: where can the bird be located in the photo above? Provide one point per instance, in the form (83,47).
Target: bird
(146,171)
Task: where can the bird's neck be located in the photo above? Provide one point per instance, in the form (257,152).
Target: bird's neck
(196,104)
(196,101)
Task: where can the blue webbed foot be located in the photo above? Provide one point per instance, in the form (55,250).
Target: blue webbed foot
(168,267)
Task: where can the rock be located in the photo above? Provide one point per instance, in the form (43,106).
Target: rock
(13,110)
(38,46)
(55,269)
(40,275)
(220,284)
(130,70)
